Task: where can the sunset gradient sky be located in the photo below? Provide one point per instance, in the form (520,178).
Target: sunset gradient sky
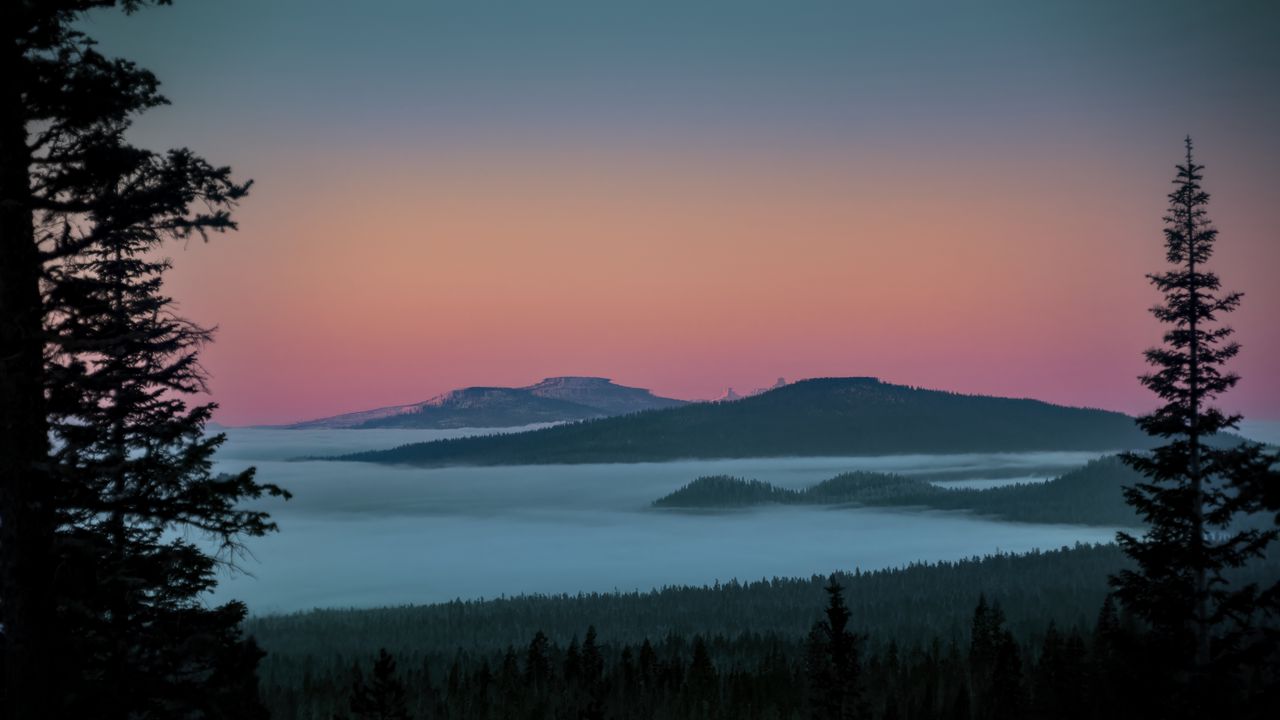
(686,196)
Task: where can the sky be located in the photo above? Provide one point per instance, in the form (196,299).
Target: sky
(688,196)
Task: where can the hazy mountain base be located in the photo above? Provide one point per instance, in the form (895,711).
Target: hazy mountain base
(821,417)
(1091,495)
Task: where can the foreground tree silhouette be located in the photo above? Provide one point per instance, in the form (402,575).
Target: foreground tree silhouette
(833,662)
(1202,622)
(995,669)
(383,696)
(131,451)
(84,215)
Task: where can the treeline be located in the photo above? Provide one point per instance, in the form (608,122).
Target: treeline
(911,604)
(821,417)
(455,658)
(1106,670)
(307,671)
(1091,495)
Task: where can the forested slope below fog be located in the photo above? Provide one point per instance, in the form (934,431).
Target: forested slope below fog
(907,604)
(1091,495)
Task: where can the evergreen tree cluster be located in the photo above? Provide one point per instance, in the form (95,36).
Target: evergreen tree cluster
(1036,645)
(909,604)
(1109,670)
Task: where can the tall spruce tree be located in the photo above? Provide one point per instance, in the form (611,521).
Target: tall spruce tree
(1190,497)
(995,667)
(383,696)
(834,663)
(121,368)
(129,467)
(48,90)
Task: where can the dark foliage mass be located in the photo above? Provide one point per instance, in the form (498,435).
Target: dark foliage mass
(724,491)
(923,642)
(1091,495)
(823,417)
(107,469)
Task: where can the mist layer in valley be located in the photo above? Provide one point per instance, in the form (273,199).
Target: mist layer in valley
(358,535)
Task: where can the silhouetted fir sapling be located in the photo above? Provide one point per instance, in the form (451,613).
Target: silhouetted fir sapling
(1192,496)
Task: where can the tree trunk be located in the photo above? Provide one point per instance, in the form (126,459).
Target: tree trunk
(1197,480)
(26,487)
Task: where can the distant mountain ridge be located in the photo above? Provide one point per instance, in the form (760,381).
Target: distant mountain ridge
(555,399)
(818,417)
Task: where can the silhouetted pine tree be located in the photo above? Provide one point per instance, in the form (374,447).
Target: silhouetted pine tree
(701,682)
(383,697)
(234,684)
(995,665)
(1201,621)
(833,662)
(131,451)
(83,216)
(984,640)
(53,87)
(592,680)
(509,684)
(1060,676)
(537,667)
(1006,697)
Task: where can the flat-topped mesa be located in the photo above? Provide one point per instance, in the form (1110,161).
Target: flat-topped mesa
(571,381)
(600,393)
(552,400)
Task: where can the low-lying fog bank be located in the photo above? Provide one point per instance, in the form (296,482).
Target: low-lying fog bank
(365,535)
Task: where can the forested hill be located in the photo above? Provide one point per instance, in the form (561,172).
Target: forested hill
(1090,495)
(827,416)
